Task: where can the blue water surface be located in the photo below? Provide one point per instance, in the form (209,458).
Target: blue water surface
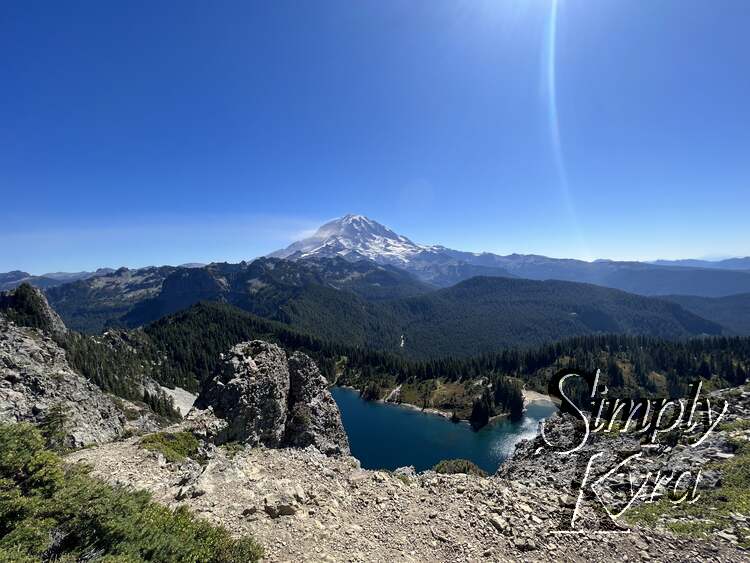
(387,436)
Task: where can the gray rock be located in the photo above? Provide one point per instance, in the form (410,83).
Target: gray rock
(30,305)
(358,476)
(250,394)
(727,536)
(500,524)
(35,379)
(279,505)
(204,424)
(406,471)
(261,398)
(314,418)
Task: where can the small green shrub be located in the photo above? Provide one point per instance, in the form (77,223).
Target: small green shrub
(52,428)
(301,415)
(175,446)
(453,466)
(40,500)
(736,425)
(233,448)
(129,412)
(404,479)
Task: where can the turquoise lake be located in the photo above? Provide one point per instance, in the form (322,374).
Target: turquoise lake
(386,436)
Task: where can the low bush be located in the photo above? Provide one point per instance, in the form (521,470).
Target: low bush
(452,466)
(50,512)
(232,449)
(175,446)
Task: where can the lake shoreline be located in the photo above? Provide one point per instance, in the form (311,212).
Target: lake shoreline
(443,413)
(427,410)
(384,436)
(529,398)
(534,397)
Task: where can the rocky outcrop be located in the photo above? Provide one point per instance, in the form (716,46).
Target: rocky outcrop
(27,305)
(250,394)
(314,418)
(36,381)
(263,398)
(707,467)
(535,462)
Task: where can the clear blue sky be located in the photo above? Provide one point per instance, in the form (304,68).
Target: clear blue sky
(152,132)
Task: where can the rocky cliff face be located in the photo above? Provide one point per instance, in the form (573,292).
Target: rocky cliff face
(35,379)
(314,418)
(27,305)
(250,394)
(263,398)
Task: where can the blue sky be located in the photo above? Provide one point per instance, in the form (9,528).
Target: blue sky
(152,132)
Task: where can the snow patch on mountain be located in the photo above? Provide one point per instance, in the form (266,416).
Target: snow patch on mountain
(355,237)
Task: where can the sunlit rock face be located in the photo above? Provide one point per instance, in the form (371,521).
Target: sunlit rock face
(265,398)
(36,383)
(250,394)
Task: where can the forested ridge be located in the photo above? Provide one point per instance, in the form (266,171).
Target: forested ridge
(188,345)
(184,350)
(732,312)
(192,339)
(476,316)
(374,306)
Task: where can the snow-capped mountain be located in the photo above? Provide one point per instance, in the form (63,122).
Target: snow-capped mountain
(355,237)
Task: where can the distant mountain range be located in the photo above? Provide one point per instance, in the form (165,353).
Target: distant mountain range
(275,288)
(358,282)
(89,304)
(355,237)
(377,306)
(10,280)
(728,264)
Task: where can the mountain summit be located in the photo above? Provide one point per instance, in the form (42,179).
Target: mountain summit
(354,237)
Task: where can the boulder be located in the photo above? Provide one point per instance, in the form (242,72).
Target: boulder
(204,424)
(279,505)
(263,398)
(250,394)
(406,471)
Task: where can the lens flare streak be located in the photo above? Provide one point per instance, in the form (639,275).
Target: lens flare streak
(550,83)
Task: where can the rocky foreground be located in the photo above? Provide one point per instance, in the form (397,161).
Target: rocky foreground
(304,506)
(268,477)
